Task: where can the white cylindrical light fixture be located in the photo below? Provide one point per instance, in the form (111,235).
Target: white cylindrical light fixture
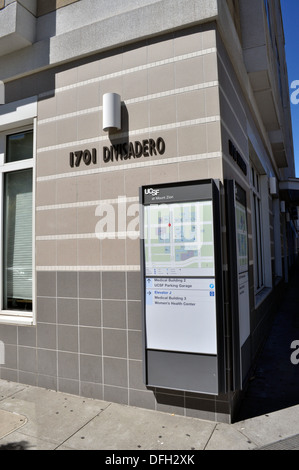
(111,112)
(273,186)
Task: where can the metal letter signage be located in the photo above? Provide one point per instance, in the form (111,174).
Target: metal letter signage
(237,157)
(119,152)
(182,287)
(126,151)
(87,157)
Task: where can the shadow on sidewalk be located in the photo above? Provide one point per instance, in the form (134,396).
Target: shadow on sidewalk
(275,383)
(22,445)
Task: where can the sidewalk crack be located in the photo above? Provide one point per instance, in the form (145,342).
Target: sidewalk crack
(83,426)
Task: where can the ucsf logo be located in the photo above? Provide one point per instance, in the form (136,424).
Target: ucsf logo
(151,191)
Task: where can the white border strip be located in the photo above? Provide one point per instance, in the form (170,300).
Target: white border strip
(165,127)
(165,161)
(121,199)
(139,68)
(89,268)
(100,236)
(163,94)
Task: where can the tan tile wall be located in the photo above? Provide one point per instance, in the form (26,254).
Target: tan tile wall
(46,6)
(169,89)
(233,119)
(234,128)
(234,114)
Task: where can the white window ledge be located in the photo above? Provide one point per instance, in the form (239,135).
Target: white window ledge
(16,318)
(262,295)
(18,113)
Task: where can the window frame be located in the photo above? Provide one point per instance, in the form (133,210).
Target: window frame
(15,316)
(257,230)
(268,18)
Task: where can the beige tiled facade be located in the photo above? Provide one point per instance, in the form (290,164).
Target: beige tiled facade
(168,90)
(181,86)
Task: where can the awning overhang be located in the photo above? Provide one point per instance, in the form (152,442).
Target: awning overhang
(289,191)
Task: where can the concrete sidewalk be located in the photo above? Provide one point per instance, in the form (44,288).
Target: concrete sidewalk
(274,384)
(32,418)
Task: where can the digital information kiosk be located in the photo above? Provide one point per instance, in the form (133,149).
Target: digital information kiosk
(182,287)
(239,281)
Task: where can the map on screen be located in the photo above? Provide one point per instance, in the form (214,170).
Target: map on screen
(179,239)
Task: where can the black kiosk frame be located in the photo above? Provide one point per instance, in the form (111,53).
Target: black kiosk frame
(182,287)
